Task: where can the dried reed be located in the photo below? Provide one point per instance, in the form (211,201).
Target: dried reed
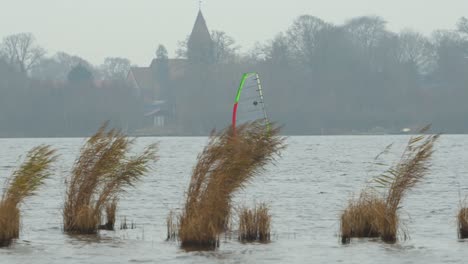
(23,183)
(254,224)
(100,174)
(111,209)
(125,226)
(226,165)
(463,223)
(9,223)
(371,215)
(171,223)
(359,218)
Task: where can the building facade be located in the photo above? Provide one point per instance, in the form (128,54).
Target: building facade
(152,83)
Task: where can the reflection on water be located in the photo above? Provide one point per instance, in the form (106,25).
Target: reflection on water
(76,239)
(306,191)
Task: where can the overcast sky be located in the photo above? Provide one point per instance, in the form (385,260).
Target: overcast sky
(95,29)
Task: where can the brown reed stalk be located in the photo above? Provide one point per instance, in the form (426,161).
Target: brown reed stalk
(171,224)
(463,223)
(371,214)
(100,174)
(111,209)
(254,224)
(414,164)
(23,183)
(9,223)
(227,164)
(263,223)
(247,225)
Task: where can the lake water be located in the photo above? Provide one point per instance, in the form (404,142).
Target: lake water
(307,190)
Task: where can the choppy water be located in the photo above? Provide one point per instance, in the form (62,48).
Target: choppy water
(307,189)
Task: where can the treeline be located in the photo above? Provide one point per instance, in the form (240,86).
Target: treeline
(73,103)
(61,95)
(353,78)
(318,78)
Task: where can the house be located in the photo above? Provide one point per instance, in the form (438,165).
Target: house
(152,82)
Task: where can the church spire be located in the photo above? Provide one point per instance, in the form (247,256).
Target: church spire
(200,45)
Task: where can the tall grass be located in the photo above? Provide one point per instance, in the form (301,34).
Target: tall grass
(358,219)
(111,209)
(463,223)
(172,227)
(254,224)
(100,174)
(23,183)
(373,215)
(9,223)
(228,163)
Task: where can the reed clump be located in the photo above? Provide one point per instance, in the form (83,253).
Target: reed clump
(358,219)
(254,224)
(463,223)
(226,164)
(101,173)
(374,213)
(23,183)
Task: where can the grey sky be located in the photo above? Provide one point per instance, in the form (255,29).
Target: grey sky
(94,29)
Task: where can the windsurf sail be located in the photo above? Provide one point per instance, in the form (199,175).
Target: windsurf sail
(249,105)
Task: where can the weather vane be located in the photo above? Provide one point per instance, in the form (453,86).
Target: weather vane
(199,4)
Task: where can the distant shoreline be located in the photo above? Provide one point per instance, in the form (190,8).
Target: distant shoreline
(198,135)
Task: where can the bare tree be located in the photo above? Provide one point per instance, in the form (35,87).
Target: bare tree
(462,25)
(369,36)
(70,61)
(115,68)
(278,50)
(415,49)
(225,48)
(366,31)
(58,66)
(305,37)
(451,48)
(181,51)
(22,51)
(48,69)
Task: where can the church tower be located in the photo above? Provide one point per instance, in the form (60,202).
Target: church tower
(200,44)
